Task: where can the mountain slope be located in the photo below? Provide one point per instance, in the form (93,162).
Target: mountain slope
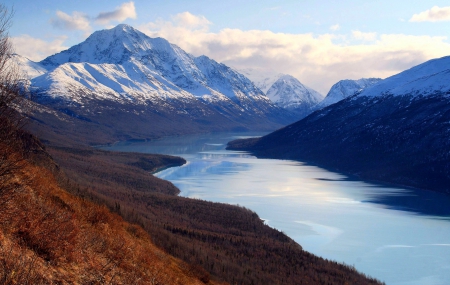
(395,131)
(148,80)
(49,236)
(284,90)
(346,88)
(289,93)
(262,78)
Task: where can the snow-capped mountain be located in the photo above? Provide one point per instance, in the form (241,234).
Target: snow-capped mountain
(125,60)
(284,90)
(289,93)
(124,67)
(346,88)
(30,68)
(427,79)
(261,77)
(395,131)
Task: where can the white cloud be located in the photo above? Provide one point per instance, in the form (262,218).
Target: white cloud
(316,60)
(435,14)
(364,36)
(191,21)
(335,27)
(78,21)
(120,14)
(37,49)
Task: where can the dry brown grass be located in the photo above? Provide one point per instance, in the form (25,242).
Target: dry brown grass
(48,236)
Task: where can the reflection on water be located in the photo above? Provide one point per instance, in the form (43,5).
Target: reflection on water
(400,236)
(417,201)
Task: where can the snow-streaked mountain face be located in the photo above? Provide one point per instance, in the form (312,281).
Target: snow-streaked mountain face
(28,67)
(289,93)
(428,78)
(122,67)
(346,88)
(284,90)
(395,131)
(126,55)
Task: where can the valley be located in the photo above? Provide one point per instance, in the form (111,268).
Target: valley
(329,214)
(98,192)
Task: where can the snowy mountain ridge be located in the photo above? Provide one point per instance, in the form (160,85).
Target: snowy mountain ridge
(123,59)
(284,90)
(120,76)
(424,79)
(346,88)
(261,77)
(291,94)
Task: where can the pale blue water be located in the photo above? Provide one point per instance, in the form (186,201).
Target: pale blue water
(396,235)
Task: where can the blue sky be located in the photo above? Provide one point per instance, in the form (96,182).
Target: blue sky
(319,42)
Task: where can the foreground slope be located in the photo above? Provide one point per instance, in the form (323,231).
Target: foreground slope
(231,243)
(395,131)
(49,236)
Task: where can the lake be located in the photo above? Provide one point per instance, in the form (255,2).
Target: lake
(399,236)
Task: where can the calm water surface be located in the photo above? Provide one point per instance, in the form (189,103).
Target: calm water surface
(396,235)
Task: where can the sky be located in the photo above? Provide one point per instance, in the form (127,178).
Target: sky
(318,42)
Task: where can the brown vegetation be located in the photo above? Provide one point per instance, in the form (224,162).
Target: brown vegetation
(231,243)
(48,236)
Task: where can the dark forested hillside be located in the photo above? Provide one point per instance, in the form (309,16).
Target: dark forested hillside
(229,242)
(395,139)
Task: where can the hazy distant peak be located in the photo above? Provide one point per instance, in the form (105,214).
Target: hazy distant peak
(346,88)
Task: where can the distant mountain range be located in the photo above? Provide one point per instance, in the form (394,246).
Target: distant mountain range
(126,85)
(285,90)
(394,131)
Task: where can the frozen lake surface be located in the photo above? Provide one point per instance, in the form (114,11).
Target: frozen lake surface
(399,236)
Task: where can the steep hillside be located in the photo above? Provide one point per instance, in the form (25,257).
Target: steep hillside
(395,131)
(231,243)
(48,236)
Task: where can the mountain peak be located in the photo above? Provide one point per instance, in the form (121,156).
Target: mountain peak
(288,92)
(346,88)
(123,27)
(263,78)
(120,44)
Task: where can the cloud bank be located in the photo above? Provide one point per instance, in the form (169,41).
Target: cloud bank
(37,49)
(78,21)
(435,14)
(318,61)
(120,14)
(82,22)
